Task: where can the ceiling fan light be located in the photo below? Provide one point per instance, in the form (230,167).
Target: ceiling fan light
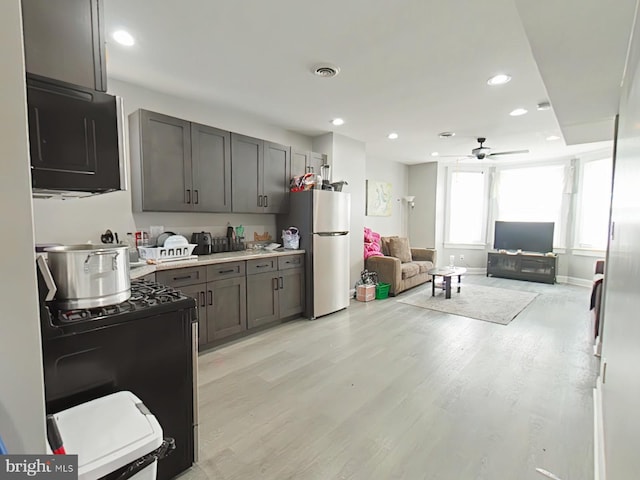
(499,79)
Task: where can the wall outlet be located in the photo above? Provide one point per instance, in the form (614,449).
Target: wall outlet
(462,258)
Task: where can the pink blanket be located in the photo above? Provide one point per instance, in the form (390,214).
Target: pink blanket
(371,244)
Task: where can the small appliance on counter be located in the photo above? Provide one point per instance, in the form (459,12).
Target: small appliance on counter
(203,241)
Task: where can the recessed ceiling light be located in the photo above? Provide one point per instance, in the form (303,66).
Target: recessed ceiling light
(392,136)
(499,79)
(434,154)
(447,134)
(542,106)
(337,122)
(551,138)
(123,38)
(518,111)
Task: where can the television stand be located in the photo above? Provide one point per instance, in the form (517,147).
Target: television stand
(534,267)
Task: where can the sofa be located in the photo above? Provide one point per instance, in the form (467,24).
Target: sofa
(401,266)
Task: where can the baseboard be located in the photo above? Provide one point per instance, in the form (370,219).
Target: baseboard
(599,471)
(580,282)
(476,271)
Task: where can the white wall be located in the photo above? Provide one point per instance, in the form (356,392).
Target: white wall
(81,220)
(21,383)
(422,183)
(397,175)
(348,157)
(621,335)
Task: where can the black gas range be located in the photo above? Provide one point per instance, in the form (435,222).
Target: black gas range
(146,345)
(146,298)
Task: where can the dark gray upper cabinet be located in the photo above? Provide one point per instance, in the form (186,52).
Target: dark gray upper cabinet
(211,174)
(316,160)
(179,166)
(260,175)
(247,156)
(160,162)
(64,40)
(299,162)
(276,176)
(304,162)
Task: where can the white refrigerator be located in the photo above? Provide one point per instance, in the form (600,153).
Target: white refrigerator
(322,218)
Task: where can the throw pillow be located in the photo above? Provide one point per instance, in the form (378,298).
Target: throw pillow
(384,245)
(399,248)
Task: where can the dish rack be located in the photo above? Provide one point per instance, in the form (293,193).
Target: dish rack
(166,253)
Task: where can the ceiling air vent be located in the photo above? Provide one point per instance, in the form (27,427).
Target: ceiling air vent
(325,70)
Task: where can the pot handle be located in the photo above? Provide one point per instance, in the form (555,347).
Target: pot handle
(114,260)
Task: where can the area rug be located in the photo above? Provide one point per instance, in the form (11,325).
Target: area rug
(497,305)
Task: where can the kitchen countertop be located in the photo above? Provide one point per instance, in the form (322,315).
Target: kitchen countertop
(202,260)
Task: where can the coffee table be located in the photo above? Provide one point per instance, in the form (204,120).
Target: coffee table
(446,273)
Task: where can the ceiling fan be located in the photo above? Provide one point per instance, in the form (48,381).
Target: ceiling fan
(483,152)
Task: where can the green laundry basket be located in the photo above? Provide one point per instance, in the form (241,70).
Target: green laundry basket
(382,290)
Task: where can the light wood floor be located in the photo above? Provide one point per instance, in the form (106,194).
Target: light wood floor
(386,390)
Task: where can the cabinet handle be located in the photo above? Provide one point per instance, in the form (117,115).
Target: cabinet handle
(231,270)
(266,200)
(259,200)
(263,265)
(210,297)
(203,299)
(196,197)
(275,283)
(185,277)
(188,196)
(281,282)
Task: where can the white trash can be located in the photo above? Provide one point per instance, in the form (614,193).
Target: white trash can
(109,433)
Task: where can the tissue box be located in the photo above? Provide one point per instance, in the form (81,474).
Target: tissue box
(365,293)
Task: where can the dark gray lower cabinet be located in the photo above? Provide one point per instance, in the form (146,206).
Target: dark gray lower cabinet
(274,295)
(235,296)
(262,299)
(291,292)
(226,308)
(198,292)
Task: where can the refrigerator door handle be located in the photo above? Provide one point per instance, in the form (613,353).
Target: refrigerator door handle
(331,234)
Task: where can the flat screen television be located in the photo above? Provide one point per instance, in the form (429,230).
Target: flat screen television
(525,236)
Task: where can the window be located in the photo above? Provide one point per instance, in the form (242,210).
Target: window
(532,194)
(467,207)
(595,199)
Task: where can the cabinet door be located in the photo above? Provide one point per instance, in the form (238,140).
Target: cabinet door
(64,40)
(262,298)
(166,163)
(299,162)
(316,160)
(73,138)
(211,163)
(198,293)
(291,292)
(247,157)
(226,307)
(276,174)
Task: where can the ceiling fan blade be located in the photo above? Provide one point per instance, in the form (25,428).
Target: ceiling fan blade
(512,152)
(456,156)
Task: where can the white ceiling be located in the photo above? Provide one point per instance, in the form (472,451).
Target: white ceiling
(416,67)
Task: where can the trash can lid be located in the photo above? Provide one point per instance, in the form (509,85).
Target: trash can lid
(108,433)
